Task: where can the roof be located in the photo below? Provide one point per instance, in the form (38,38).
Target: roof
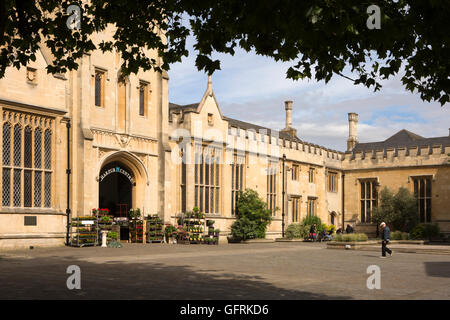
(403,139)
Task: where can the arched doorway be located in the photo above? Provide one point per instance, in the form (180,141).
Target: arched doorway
(116,183)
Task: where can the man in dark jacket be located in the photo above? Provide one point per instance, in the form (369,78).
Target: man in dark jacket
(385,238)
(349,229)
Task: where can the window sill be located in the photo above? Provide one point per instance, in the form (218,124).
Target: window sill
(27,210)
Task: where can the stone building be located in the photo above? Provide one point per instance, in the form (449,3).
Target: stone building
(92,138)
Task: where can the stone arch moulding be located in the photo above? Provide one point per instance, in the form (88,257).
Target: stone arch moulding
(127,158)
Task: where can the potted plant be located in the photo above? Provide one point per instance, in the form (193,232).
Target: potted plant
(217,232)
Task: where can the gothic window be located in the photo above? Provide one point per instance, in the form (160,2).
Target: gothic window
(207,179)
(311,174)
(332,182)
(27,179)
(99,80)
(312,206)
(237,180)
(143,98)
(295,209)
(369,199)
(422,191)
(272,187)
(6,144)
(295,172)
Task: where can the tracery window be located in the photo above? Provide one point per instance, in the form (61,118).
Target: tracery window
(272,187)
(27,139)
(207,179)
(237,180)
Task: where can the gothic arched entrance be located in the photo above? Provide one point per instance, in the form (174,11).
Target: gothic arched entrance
(116,182)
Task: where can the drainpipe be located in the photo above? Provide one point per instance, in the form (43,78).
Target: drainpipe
(343,201)
(68,172)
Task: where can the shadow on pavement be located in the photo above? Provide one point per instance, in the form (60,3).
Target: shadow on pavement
(438,269)
(45,278)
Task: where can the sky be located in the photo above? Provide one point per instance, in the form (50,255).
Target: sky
(253,88)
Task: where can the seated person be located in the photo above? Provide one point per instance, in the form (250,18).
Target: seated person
(325,236)
(349,229)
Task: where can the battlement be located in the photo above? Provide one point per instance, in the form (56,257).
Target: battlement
(395,157)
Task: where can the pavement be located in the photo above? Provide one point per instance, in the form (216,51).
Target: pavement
(228,271)
(408,248)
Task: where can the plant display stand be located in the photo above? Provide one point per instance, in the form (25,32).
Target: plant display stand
(195,225)
(212,238)
(136,231)
(105,222)
(84,231)
(154,230)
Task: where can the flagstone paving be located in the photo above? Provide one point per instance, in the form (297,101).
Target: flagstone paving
(228,271)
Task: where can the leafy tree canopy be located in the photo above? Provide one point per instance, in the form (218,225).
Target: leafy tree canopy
(397,210)
(318,37)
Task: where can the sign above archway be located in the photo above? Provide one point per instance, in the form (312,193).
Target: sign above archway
(117,169)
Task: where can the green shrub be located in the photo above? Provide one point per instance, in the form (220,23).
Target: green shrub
(297,231)
(396,235)
(112,235)
(431,231)
(417,232)
(243,229)
(352,237)
(361,237)
(310,220)
(251,207)
(425,231)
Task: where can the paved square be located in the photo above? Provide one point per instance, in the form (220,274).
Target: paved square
(238,271)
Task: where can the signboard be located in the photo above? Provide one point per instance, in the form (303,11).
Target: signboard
(117,170)
(87,222)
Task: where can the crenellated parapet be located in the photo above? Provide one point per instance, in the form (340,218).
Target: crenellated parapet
(431,155)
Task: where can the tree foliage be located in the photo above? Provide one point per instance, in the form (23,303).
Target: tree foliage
(253,217)
(398,210)
(320,38)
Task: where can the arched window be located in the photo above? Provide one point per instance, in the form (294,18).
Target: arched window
(26,160)
(28,148)
(48,149)
(6,180)
(38,148)
(17,145)
(6,144)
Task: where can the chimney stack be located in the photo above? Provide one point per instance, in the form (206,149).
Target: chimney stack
(352,131)
(289,129)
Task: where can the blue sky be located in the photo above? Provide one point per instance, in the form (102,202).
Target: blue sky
(253,88)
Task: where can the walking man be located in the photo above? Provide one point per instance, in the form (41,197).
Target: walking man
(385,238)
